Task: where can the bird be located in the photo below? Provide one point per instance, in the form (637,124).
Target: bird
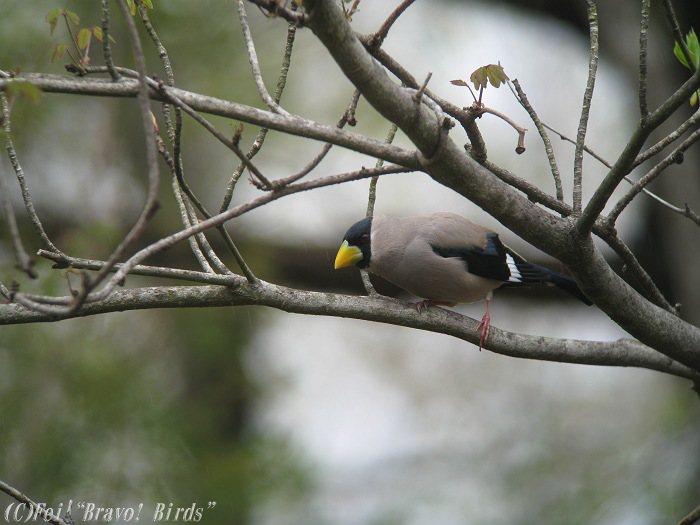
(445,259)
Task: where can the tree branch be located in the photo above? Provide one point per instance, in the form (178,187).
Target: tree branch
(254,64)
(294,125)
(586,106)
(626,160)
(623,352)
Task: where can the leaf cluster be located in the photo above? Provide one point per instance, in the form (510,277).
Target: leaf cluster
(80,40)
(693,46)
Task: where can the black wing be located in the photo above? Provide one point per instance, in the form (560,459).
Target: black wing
(497,261)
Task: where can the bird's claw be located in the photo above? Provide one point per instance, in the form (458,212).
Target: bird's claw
(422,305)
(484,326)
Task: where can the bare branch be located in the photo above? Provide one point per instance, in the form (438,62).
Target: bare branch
(667,140)
(19,172)
(525,103)
(371,200)
(641,158)
(691,518)
(623,352)
(520,148)
(643,55)
(106,47)
(262,133)
(348,117)
(254,64)
(294,125)
(383,31)
(150,271)
(34,507)
(586,107)
(628,156)
(675,157)
(24,262)
(677,33)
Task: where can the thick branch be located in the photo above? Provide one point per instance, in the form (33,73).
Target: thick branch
(379,309)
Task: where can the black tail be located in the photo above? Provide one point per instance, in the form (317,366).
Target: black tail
(565,283)
(529,273)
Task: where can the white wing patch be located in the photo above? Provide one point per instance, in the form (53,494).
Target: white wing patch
(515,276)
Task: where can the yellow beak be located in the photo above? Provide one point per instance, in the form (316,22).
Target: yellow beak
(347,255)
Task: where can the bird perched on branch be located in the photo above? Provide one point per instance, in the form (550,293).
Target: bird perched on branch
(443,258)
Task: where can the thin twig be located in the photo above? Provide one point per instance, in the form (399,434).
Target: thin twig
(170,95)
(372,194)
(643,55)
(371,200)
(624,163)
(262,133)
(649,288)
(670,138)
(525,103)
(35,509)
(383,31)
(691,518)
(586,106)
(23,261)
(520,148)
(677,33)
(146,270)
(347,117)
(106,47)
(254,64)
(19,173)
(672,158)
(419,94)
(641,158)
(185,213)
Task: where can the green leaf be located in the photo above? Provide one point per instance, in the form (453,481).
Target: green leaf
(459,82)
(72,16)
(478,78)
(97,32)
(691,41)
(52,18)
(679,54)
(493,74)
(83,38)
(58,51)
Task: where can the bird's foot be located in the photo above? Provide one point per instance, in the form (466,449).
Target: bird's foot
(484,326)
(421,305)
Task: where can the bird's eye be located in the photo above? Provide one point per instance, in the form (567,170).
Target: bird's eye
(364,237)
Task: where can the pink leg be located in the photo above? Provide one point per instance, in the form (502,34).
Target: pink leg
(484,325)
